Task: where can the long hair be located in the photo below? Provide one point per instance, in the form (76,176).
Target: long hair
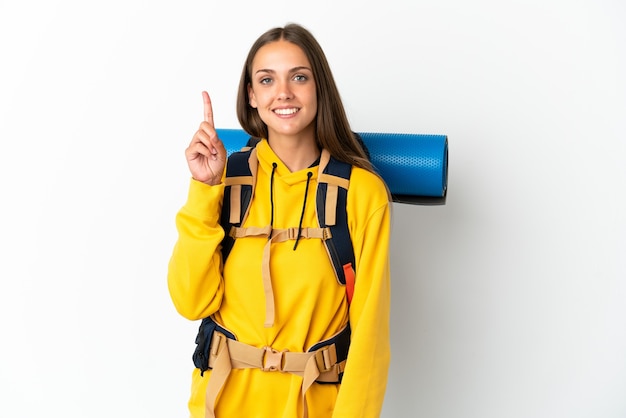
(332,129)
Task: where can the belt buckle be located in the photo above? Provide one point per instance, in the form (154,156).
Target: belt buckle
(272,360)
(326,358)
(216,342)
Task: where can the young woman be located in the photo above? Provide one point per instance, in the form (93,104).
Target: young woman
(278,319)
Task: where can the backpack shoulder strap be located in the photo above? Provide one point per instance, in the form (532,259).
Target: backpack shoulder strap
(331,208)
(238,191)
(331,205)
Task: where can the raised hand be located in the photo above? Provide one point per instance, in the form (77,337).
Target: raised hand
(206,155)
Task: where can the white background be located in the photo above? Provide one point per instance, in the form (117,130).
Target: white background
(508,302)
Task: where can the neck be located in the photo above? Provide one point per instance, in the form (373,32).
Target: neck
(297,153)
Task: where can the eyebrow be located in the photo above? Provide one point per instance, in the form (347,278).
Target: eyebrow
(293,70)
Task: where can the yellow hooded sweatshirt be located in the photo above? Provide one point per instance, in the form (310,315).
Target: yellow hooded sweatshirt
(310,305)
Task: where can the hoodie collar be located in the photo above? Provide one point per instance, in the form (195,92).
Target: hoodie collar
(267,157)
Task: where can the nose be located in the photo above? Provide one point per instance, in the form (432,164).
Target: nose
(284,91)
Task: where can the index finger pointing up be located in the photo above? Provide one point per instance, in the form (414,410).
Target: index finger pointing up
(208,109)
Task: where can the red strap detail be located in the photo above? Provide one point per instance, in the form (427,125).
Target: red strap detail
(348,272)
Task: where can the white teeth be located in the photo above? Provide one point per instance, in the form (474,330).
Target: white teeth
(286,111)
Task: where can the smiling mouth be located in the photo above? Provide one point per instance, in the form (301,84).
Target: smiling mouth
(290,111)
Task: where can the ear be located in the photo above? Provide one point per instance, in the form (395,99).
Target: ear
(252,98)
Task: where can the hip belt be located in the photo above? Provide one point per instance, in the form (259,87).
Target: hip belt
(322,363)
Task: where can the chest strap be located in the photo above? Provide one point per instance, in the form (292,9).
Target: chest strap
(321,365)
(275,235)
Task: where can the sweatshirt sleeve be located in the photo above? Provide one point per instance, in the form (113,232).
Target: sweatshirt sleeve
(365,378)
(194,276)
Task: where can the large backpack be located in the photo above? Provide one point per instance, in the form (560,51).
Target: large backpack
(331,199)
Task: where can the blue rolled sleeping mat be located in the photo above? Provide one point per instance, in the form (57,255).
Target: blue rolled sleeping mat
(414,166)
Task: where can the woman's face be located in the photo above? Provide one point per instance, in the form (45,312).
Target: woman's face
(283,90)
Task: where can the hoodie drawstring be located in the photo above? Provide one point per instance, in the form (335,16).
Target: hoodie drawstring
(306,191)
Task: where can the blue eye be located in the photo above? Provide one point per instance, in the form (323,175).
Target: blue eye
(265,80)
(300,77)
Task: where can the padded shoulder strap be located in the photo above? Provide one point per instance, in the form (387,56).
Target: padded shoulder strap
(331,202)
(239,189)
(331,207)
